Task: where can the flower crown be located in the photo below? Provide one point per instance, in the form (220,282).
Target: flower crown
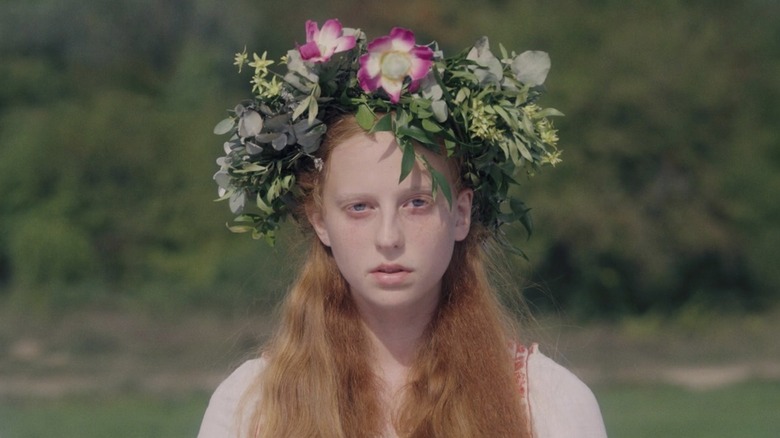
(480,108)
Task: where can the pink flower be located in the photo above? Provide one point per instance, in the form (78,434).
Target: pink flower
(391,59)
(323,43)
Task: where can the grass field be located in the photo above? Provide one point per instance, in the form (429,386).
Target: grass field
(748,409)
(121,416)
(122,374)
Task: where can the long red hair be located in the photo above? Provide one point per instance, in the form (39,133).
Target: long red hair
(319,382)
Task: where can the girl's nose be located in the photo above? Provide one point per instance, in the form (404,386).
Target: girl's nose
(389,231)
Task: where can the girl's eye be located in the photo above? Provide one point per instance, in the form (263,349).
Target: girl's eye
(418,202)
(358,207)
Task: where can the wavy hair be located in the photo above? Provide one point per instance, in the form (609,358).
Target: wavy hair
(319,382)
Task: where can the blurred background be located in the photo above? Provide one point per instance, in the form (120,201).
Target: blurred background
(652,270)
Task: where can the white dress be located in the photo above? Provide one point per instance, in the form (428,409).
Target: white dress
(559,404)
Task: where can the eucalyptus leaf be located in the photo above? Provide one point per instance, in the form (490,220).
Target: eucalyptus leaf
(237,201)
(277,123)
(309,136)
(268,137)
(250,124)
(252,148)
(222,178)
(225,126)
(279,142)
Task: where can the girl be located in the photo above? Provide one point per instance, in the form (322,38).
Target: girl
(392,327)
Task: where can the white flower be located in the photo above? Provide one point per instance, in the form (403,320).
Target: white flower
(492,72)
(531,67)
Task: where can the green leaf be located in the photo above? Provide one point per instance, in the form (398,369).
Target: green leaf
(549,112)
(522,213)
(415,133)
(225,126)
(251,167)
(270,238)
(440,181)
(365,117)
(462,95)
(511,121)
(263,206)
(303,106)
(502,49)
(240,228)
(383,124)
(430,126)
(402,118)
(407,162)
(246,218)
(313,109)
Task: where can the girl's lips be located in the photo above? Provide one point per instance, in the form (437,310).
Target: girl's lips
(390,275)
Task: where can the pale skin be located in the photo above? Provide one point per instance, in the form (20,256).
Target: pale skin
(392,242)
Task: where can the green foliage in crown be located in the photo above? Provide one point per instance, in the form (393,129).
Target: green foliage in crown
(480,108)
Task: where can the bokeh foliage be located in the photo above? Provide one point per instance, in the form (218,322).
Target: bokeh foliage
(665,198)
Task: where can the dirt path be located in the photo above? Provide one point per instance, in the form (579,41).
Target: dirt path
(103,353)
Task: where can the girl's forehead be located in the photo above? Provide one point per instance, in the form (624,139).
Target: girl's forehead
(369,153)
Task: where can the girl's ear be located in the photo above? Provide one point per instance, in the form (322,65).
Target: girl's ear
(462,211)
(318,223)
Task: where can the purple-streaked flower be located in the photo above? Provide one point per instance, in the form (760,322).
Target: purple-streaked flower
(323,43)
(390,60)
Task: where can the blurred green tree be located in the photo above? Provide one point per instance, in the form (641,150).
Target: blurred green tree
(665,198)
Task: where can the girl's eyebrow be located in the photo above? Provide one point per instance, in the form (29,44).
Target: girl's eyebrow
(416,190)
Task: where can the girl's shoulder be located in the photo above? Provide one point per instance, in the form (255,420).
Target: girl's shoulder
(559,403)
(223,412)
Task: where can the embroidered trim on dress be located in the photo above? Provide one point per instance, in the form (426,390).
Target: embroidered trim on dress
(521,374)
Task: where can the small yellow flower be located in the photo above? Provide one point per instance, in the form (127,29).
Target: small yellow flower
(273,88)
(258,84)
(260,64)
(483,124)
(552,158)
(240,59)
(550,137)
(546,132)
(531,110)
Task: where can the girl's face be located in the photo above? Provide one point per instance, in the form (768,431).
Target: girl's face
(392,242)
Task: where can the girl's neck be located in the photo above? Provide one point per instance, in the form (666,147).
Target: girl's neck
(395,337)
(394,341)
